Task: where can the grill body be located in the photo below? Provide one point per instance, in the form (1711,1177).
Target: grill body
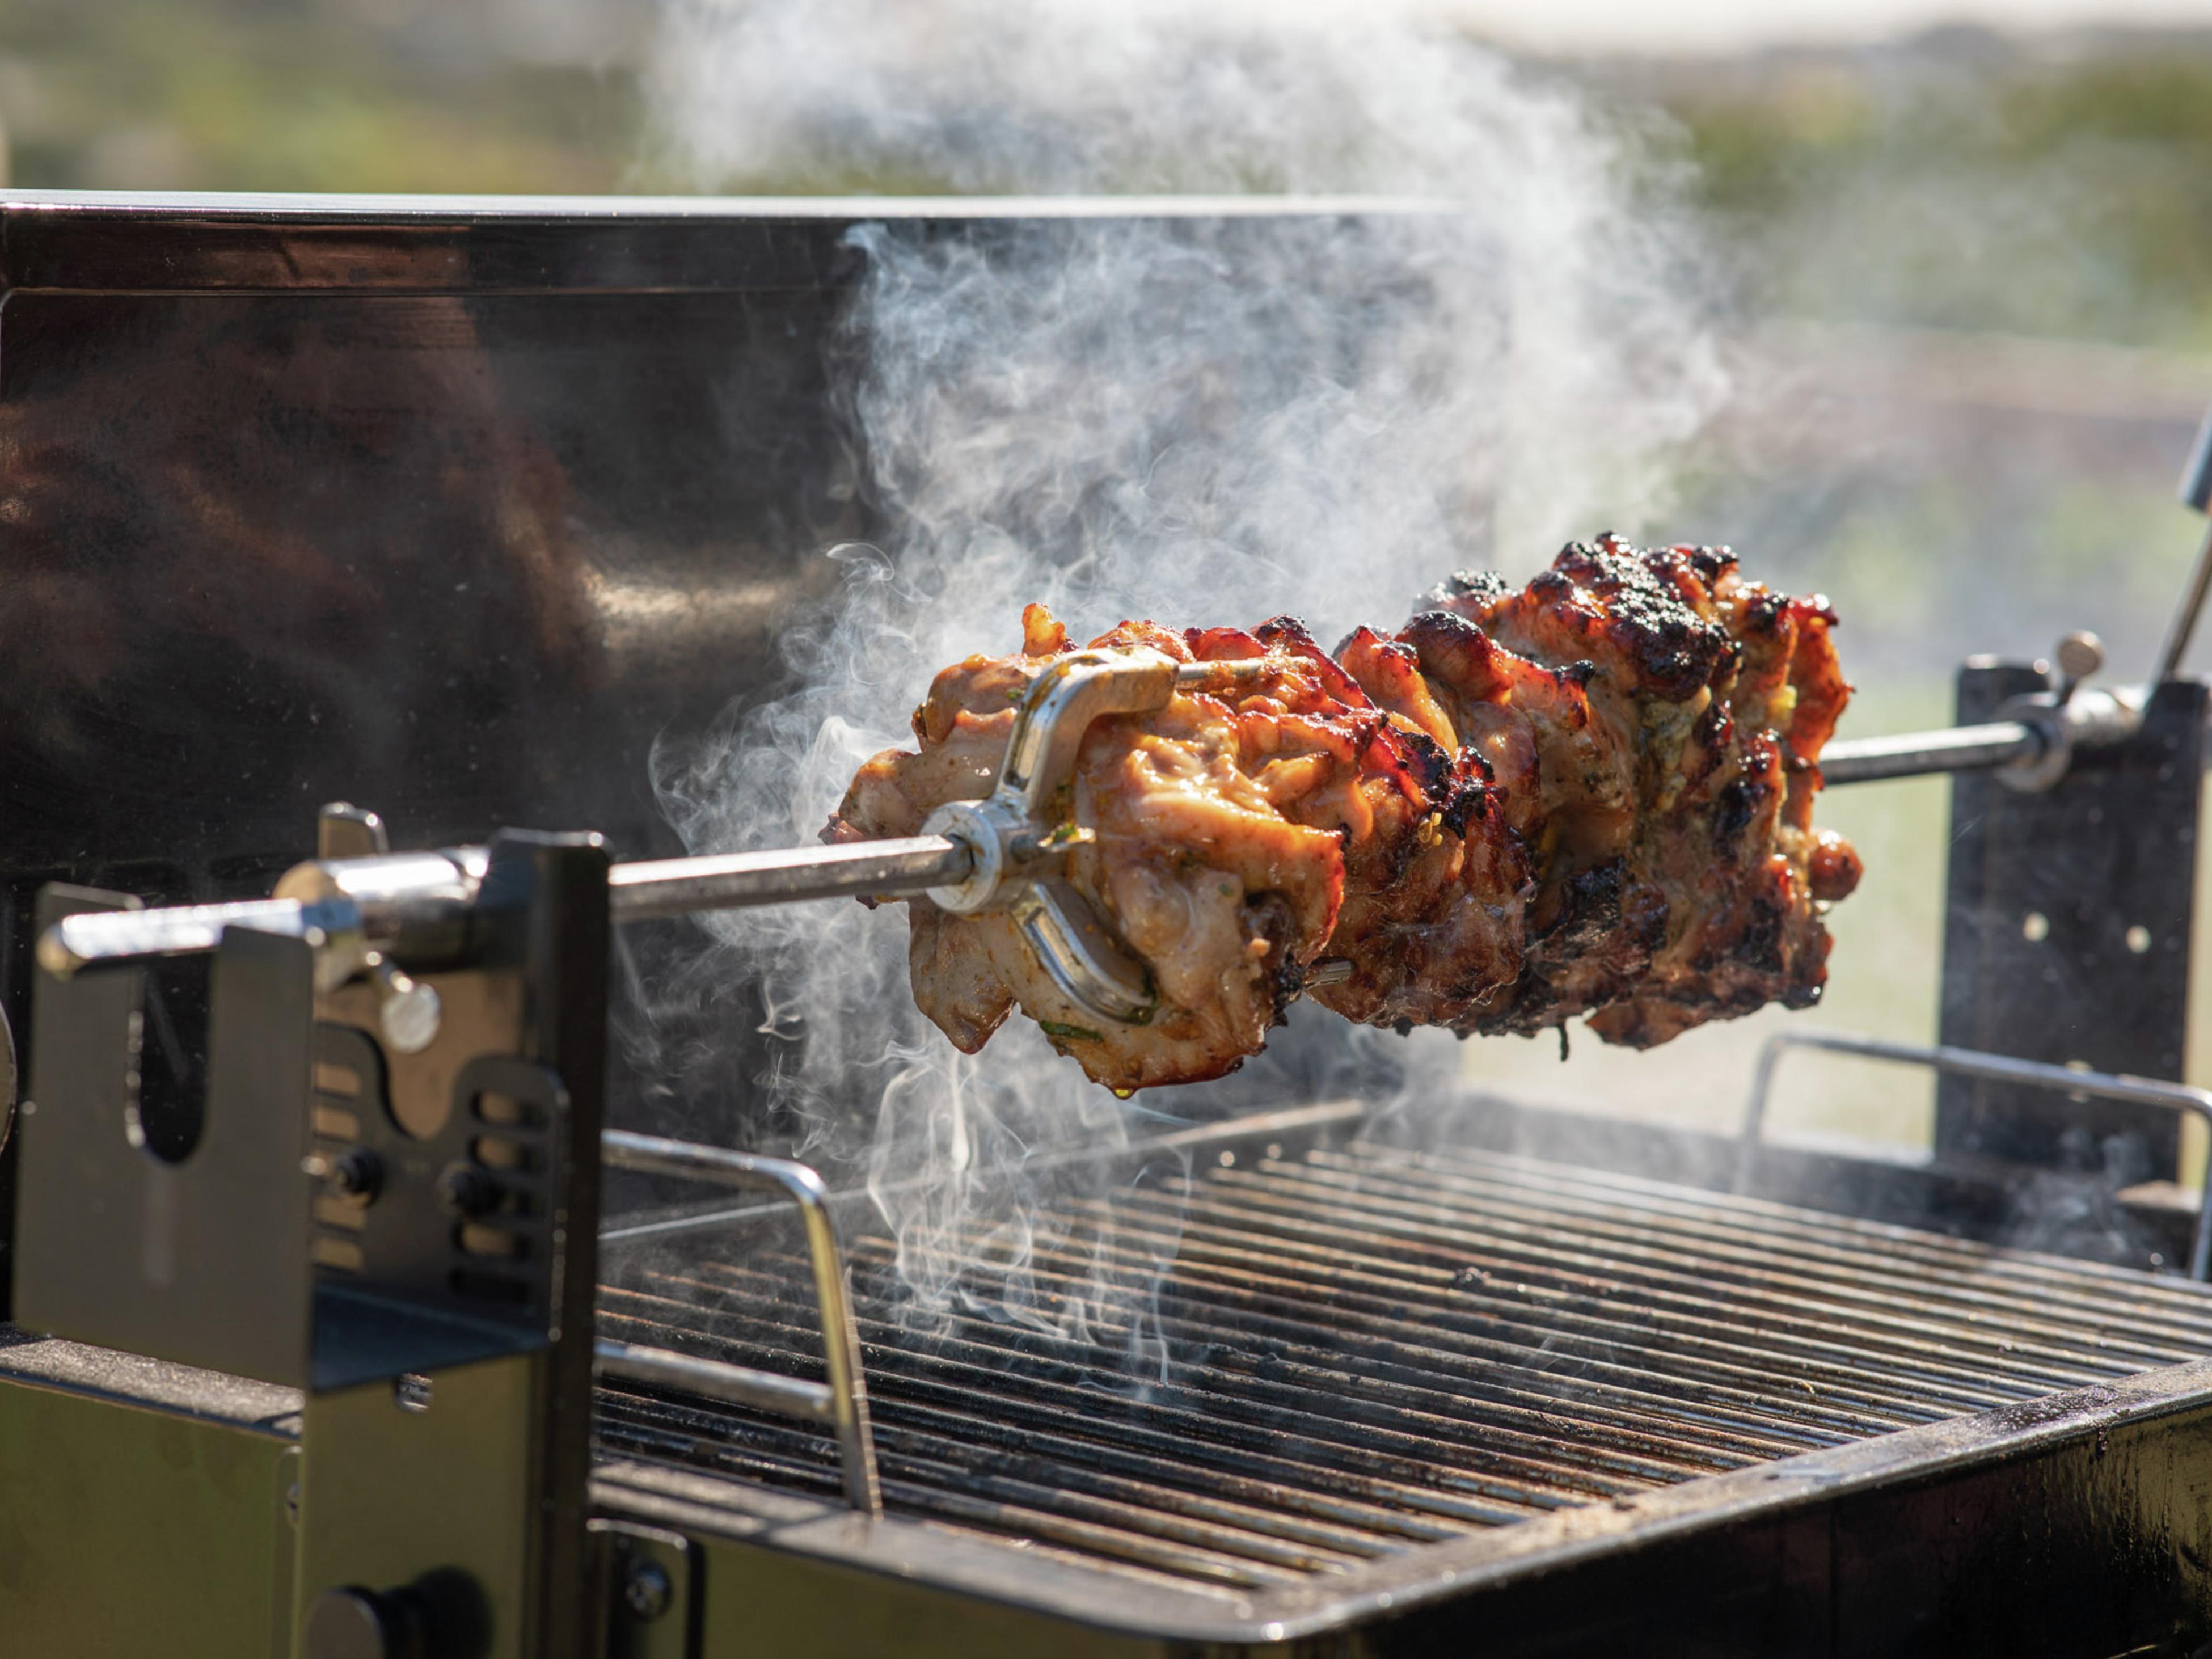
(1517,1384)
(1377,1397)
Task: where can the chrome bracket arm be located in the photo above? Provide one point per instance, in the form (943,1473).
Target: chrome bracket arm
(1994,1068)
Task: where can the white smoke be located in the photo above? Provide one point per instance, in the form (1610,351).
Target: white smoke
(1200,419)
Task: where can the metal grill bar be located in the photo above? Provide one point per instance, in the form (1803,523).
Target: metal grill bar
(1538,1254)
(1373,1351)
(1395,1472)
(1452,1299)
(2008,1325)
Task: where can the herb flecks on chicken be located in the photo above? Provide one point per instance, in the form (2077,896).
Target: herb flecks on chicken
(1588,796)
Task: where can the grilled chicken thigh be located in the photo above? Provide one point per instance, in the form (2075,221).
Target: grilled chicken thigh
(1588,796)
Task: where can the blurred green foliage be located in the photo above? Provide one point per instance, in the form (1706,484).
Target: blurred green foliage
(302,96)
(1963,180)
(1958,180)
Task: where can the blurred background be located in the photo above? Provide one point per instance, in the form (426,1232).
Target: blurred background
(1969,276)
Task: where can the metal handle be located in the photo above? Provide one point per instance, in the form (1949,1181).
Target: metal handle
(1994,1068)
(844,1403)
(2196,494)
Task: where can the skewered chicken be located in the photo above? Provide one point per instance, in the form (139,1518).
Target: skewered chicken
(1590,796)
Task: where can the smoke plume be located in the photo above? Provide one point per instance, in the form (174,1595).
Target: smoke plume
(1209,418)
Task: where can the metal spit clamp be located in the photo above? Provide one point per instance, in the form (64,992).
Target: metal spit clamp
(1020,831)
(2069,717)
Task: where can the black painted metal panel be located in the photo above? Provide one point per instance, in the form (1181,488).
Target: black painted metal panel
(2042,893)
(196,1254)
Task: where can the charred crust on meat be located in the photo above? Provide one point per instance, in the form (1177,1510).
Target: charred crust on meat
(1710,564)
(1589,908)
(1469,802)
(1763,609)
(1760,945)
(1675,650)
(1430,762)
(1466,592)
(1645,915)
(1740,802)
(1271,918)
(1715,726)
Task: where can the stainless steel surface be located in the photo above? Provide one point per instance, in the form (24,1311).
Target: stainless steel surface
(870,869)
(2030,749)
(2068,719)
(2196,489)
(409,1011)
(2080,655)
(1916,754)
(2183,628)
(1090,965)
(1353,1357)
(121,937)
(1055,713)
(2196,494)
(738,1385)
(7,1090)
(1013,827)
(1996,1069)
(344,830)
(357,913)
(839,1339)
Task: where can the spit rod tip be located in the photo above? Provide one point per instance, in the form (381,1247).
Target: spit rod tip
(55,955)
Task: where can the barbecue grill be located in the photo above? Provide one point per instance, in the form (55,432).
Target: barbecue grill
(1461,1373)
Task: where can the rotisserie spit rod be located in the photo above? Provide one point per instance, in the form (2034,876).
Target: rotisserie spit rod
(2030,750)
(427,923)
(387,913)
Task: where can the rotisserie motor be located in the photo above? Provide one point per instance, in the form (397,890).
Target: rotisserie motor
(1591,796)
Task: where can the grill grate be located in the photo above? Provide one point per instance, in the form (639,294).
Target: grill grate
(1377,1349)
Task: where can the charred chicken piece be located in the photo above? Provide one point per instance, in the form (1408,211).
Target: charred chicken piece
(1678,712)
(1199,860)
(1588,796)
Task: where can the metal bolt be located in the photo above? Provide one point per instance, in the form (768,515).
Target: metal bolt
(647,1591)
(466,1192)
(2080,655)
(409,1010)
(356,1172)
(352,1623)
